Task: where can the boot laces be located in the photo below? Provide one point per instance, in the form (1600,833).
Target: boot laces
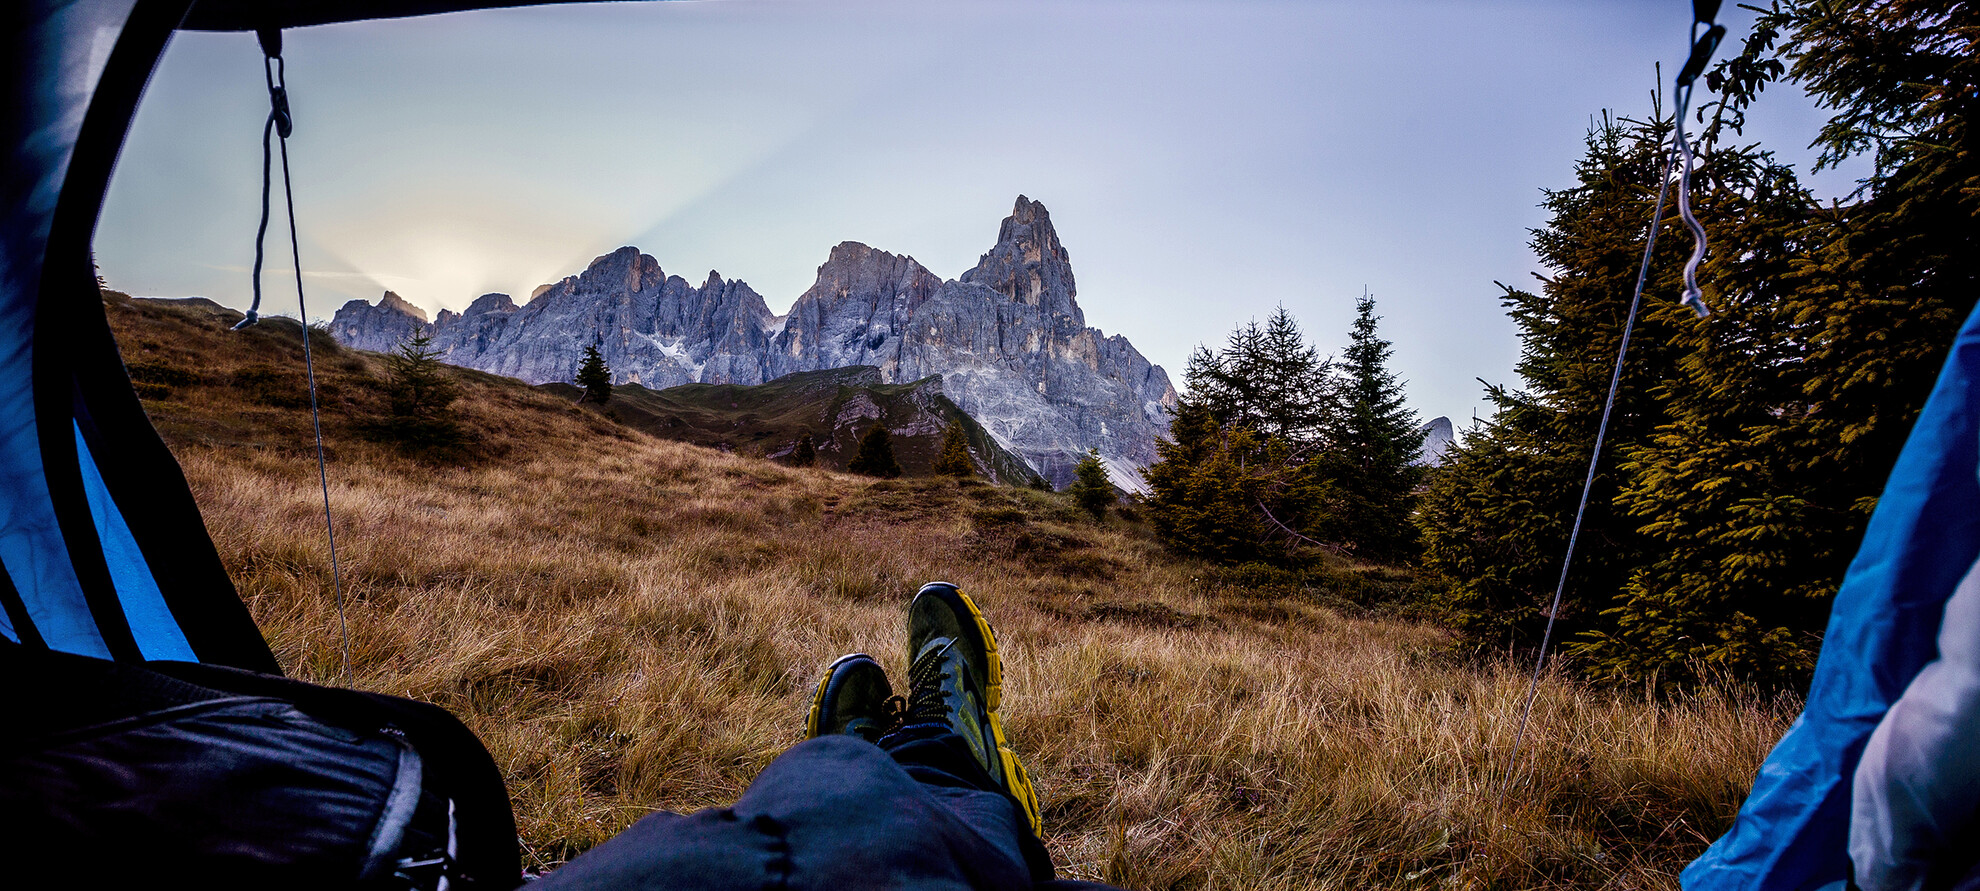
(926,702)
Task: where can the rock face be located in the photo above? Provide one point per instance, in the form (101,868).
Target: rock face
(382,327)
(653,329)
(1007,338)
(1437,436)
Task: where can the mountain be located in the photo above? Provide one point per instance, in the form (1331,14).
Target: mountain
(836,406)
(1437,436)
(1007,339)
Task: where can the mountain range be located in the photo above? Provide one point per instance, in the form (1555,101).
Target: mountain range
(1007,338)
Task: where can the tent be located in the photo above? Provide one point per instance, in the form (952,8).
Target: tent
(150,729)
(102,548)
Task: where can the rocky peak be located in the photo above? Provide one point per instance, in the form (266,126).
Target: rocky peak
(1437,439)
(1028,265)
(1007,342)
(393,301)
(855,269)
(488,303)
(625,269)
(381,326)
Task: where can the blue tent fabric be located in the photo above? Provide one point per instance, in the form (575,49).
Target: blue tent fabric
(52,82)
(1793,831)
(101,546)
(102,551)
(153,628)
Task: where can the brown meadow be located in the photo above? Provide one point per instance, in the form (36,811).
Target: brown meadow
(631,624)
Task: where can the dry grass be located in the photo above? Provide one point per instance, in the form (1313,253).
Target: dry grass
(633,624)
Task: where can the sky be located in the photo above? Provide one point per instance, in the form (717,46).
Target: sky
(1203,162)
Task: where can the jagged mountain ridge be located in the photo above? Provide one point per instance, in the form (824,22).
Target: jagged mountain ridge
(1007,337)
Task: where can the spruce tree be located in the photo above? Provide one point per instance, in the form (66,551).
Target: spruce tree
(1831,326)
(594,376)
(1206,487)
(1232,483)
(954,457)
(1749,448)
(1267,378)
(1371,445)
(876,454)
(806,452)
(1496,516)
(1091,489)
(420,396)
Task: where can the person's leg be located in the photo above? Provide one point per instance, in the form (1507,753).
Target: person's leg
(832,812)
(941,802)
(941,761)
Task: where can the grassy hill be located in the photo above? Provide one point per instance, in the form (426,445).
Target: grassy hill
(633,623)
(836,406)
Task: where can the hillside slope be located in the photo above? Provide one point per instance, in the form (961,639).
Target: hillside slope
(631,623)
(835,406)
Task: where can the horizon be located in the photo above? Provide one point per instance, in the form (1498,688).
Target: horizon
(1202,164)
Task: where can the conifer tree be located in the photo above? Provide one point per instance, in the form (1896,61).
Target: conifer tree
(420,396)
(1831,326)
(806,453)
(1233,483)
(1372,442)
(1091,489)
(876,454)
(594,376)
(1206,487)
(1496,516)
(1267,378)
(954,457)
(1750,447)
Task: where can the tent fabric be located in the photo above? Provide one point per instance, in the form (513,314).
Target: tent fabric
(250,15)
(1792,832)
(1912,814)
(102,551)
(100,540)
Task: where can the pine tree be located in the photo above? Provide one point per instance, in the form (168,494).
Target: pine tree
(594,376)
(1267,378)
(1205,489)
(806,452)
(954,458)
(1232,484)
(876,454)
(1091,489)
(1831,325)
(1371,445)
(1750,448)
(420,396)
(1496,516)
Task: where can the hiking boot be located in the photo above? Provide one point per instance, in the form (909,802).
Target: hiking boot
(851,698)
(955,677)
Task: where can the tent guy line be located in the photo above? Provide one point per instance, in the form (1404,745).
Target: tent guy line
(1701,52)
(281,123)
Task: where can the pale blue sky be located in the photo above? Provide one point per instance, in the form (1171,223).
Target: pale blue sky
(1203,161)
